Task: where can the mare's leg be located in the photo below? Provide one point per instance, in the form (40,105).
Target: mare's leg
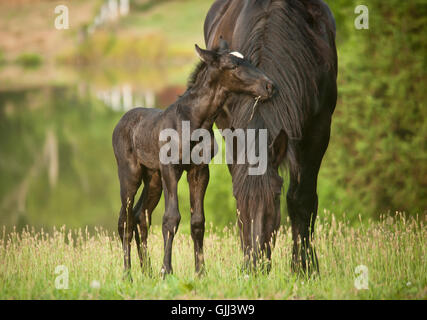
(302,195)
(198,179)
(147,203)
(130,180)
(171,218)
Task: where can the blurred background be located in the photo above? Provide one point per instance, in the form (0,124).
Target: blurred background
(63,91)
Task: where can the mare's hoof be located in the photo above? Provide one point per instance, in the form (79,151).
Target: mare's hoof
(148,272)
(305,271)
(164,272)
(201,272)
(147,269)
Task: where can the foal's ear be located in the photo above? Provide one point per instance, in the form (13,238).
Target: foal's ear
(206,55)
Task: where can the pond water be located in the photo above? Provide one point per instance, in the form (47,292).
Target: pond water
(57,165)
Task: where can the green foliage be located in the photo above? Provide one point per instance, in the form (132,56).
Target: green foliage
(107,48)
(156,32)
(377,159)
(29,60)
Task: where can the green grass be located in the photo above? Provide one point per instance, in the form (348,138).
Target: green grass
(168,17)
(392,249)
(148,36)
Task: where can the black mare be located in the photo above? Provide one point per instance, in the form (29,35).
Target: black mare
(293,41)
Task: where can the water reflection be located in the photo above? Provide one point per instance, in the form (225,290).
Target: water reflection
(110,10)
(124,98)
(57,165)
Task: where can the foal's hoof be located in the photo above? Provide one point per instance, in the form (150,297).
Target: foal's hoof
(148,272)
(147,269)
(127,276)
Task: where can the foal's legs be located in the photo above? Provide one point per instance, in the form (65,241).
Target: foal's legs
(198,179)
(147,203)
(130,180)
(171,218)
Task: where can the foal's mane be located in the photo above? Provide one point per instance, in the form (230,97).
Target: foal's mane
(198,70)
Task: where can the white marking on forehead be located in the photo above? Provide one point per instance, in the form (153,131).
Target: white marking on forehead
(237,54)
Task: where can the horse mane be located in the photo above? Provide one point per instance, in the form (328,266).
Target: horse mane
(198,70)
(286,33)
(290,33)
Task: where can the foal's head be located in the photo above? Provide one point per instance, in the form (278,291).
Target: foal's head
(233,73)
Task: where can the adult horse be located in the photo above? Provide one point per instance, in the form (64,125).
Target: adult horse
(293,42)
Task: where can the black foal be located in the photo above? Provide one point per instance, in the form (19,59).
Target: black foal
(137,146)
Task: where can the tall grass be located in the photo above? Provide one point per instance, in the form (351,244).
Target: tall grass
(393,250)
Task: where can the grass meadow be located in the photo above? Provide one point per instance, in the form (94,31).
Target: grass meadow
(392,249)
